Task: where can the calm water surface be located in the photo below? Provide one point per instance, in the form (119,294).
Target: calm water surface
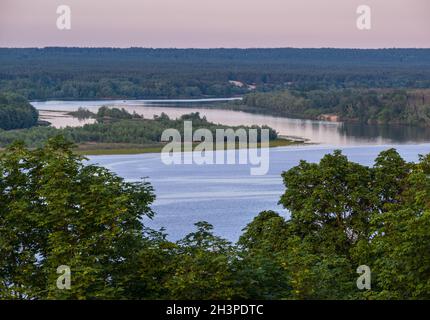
(316,131)
(227,195)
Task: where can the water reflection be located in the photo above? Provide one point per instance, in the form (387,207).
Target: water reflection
(333,133)
(60,119)
(378,133)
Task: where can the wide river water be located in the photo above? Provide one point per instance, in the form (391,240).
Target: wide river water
(316,131)
(227,196)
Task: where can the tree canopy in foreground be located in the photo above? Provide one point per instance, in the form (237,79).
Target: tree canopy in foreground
(57,210)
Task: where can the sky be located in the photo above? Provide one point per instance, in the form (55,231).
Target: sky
(215,23)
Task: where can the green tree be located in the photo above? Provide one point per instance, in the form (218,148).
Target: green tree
(260,266)
(330,205)
(16,112)
(203,267)
(401,243)
(344,215)
(55,210)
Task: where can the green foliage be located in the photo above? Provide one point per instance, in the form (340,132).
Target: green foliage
(97,73)
(117,126)
(203,267)
(105,114)
(344,215)
(260,267)
(82,113)
(330,205)
(401,245)
(16,112)
(55,210)
(359,105)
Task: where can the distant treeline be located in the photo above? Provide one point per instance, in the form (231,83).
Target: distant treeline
(388,106)
(16,112)
(94,73)
(117,126)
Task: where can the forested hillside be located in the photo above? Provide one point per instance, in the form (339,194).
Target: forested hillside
(16,112)
(85,73)
(387,106)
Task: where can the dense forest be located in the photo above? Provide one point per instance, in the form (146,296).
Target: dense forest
(56,211)
(94,73)
(117,126)
(16,112)
(386,106)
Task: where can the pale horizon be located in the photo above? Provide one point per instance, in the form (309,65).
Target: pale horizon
(215,24)
(212,48)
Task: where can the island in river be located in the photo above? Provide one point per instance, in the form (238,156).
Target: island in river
(113,130)
(312,131)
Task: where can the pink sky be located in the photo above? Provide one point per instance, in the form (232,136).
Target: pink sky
(215,23)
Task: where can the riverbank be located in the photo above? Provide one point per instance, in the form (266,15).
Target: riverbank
(232,106)
(91,149)
(95,149)
(314,131)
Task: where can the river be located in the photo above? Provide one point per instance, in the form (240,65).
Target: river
(323,132)
(227,196)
